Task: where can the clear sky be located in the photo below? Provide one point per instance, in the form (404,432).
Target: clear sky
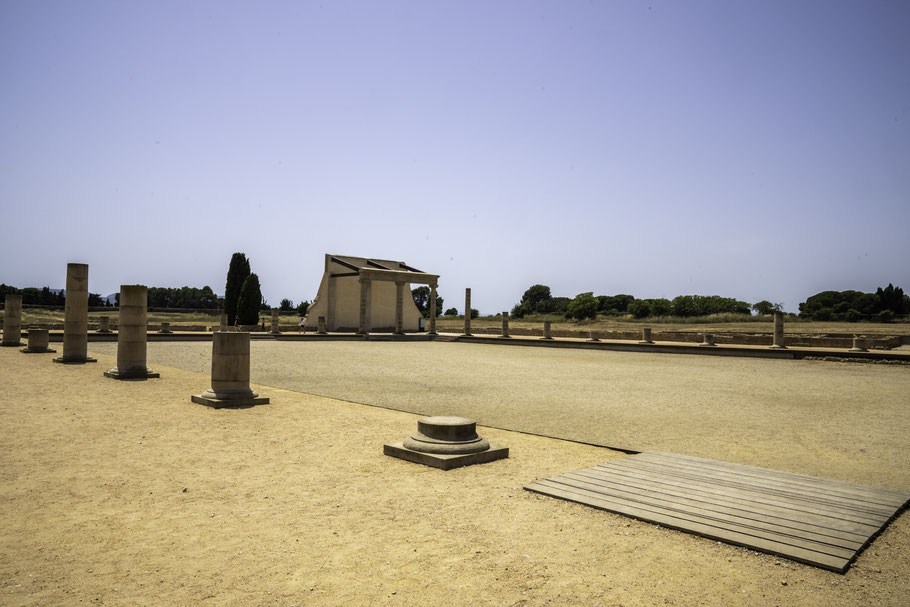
(757,150)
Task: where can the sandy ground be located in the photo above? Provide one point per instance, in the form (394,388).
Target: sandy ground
(845,421)
(125,493)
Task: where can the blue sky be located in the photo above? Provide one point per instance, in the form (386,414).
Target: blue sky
(757,150)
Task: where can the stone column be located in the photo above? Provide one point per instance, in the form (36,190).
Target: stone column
(330,303)
(165,328)
(432,330)
(505,325)
(859,344)
(37,342)
(778,331)
(646,336)
(467,311)
(592,336)
(75,316)
(223,324)
(366,296)
(104,324)
(230,373)
(132,335)
(320,325)
(709,340)
(12,321)
(275,317)
(546,330)
(399,308)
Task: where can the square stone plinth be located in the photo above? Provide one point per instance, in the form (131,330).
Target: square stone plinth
(219,403)
(115,374)
(445,462)
(75,361)
(43,351)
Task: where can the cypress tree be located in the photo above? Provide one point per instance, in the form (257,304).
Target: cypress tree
(250,300)
(237,273)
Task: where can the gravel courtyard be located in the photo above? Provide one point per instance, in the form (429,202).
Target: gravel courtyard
(845,421)
(125,493)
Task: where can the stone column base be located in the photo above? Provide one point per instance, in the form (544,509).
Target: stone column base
(131,374)
(211,400)
(74,361)
(443,461)
(28,350)
(12,344)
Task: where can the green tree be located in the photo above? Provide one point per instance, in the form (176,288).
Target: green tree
(238,271)
(639,308)
(302,307)
(583,306)
(422,301)
(249,301)
(451,312)
(475,313)
(765,307)
(286,305)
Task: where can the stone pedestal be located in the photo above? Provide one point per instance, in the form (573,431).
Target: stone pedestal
(546,330)
(709,340)
(132,335)
(859,344)
(165,328)
(592,336)
(275,317)
(75,316)
(223,324)
(646,336)
(12,321)
(104,324)
(467,312)
(38,340)
(778,341)
(446,442)
(505,325)
(320,325)
(230,373)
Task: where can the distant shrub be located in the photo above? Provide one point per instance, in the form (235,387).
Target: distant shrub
(249,302)
(451,312)
(639,308)
(302,308)
(823,314)
(474,313)
(583,306)
(852,315)
(286,305)
(885,316)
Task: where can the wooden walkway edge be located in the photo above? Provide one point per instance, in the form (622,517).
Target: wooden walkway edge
(820,522)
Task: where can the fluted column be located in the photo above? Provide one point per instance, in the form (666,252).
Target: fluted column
(75,316)
(12,321)
(132,335)
(230,373)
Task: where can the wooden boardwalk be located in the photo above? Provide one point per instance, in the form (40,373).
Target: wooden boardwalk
(813,520)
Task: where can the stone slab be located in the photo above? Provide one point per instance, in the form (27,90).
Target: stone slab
(115,374)
(26,350)
(445,462)
(87,359)
(219,403)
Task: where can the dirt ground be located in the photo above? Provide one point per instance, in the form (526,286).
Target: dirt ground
(125,493)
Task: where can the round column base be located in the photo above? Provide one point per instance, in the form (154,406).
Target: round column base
(116,373)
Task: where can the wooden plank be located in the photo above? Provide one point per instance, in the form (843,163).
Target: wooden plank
(850,490)
(752,496)
(721,516)
(810,557)
(720,523)
(900,497)
(782,511)
(721,479)
(779,518)
(817,521)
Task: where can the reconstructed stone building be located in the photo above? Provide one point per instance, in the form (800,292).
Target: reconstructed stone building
(361,294)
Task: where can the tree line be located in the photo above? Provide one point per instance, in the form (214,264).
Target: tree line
(853,306)
(45,296)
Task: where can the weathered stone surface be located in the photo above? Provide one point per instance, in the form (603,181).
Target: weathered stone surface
(75,316)
(778,340)
(104,324)
(165,328)
(709,340)
(505,325)
(132,335)
(446,442)
(592,336)
(38,340)
(12,321)
(467,311)
(646,336)
(546,330)
(859,345)
(230,373)
(275,316)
